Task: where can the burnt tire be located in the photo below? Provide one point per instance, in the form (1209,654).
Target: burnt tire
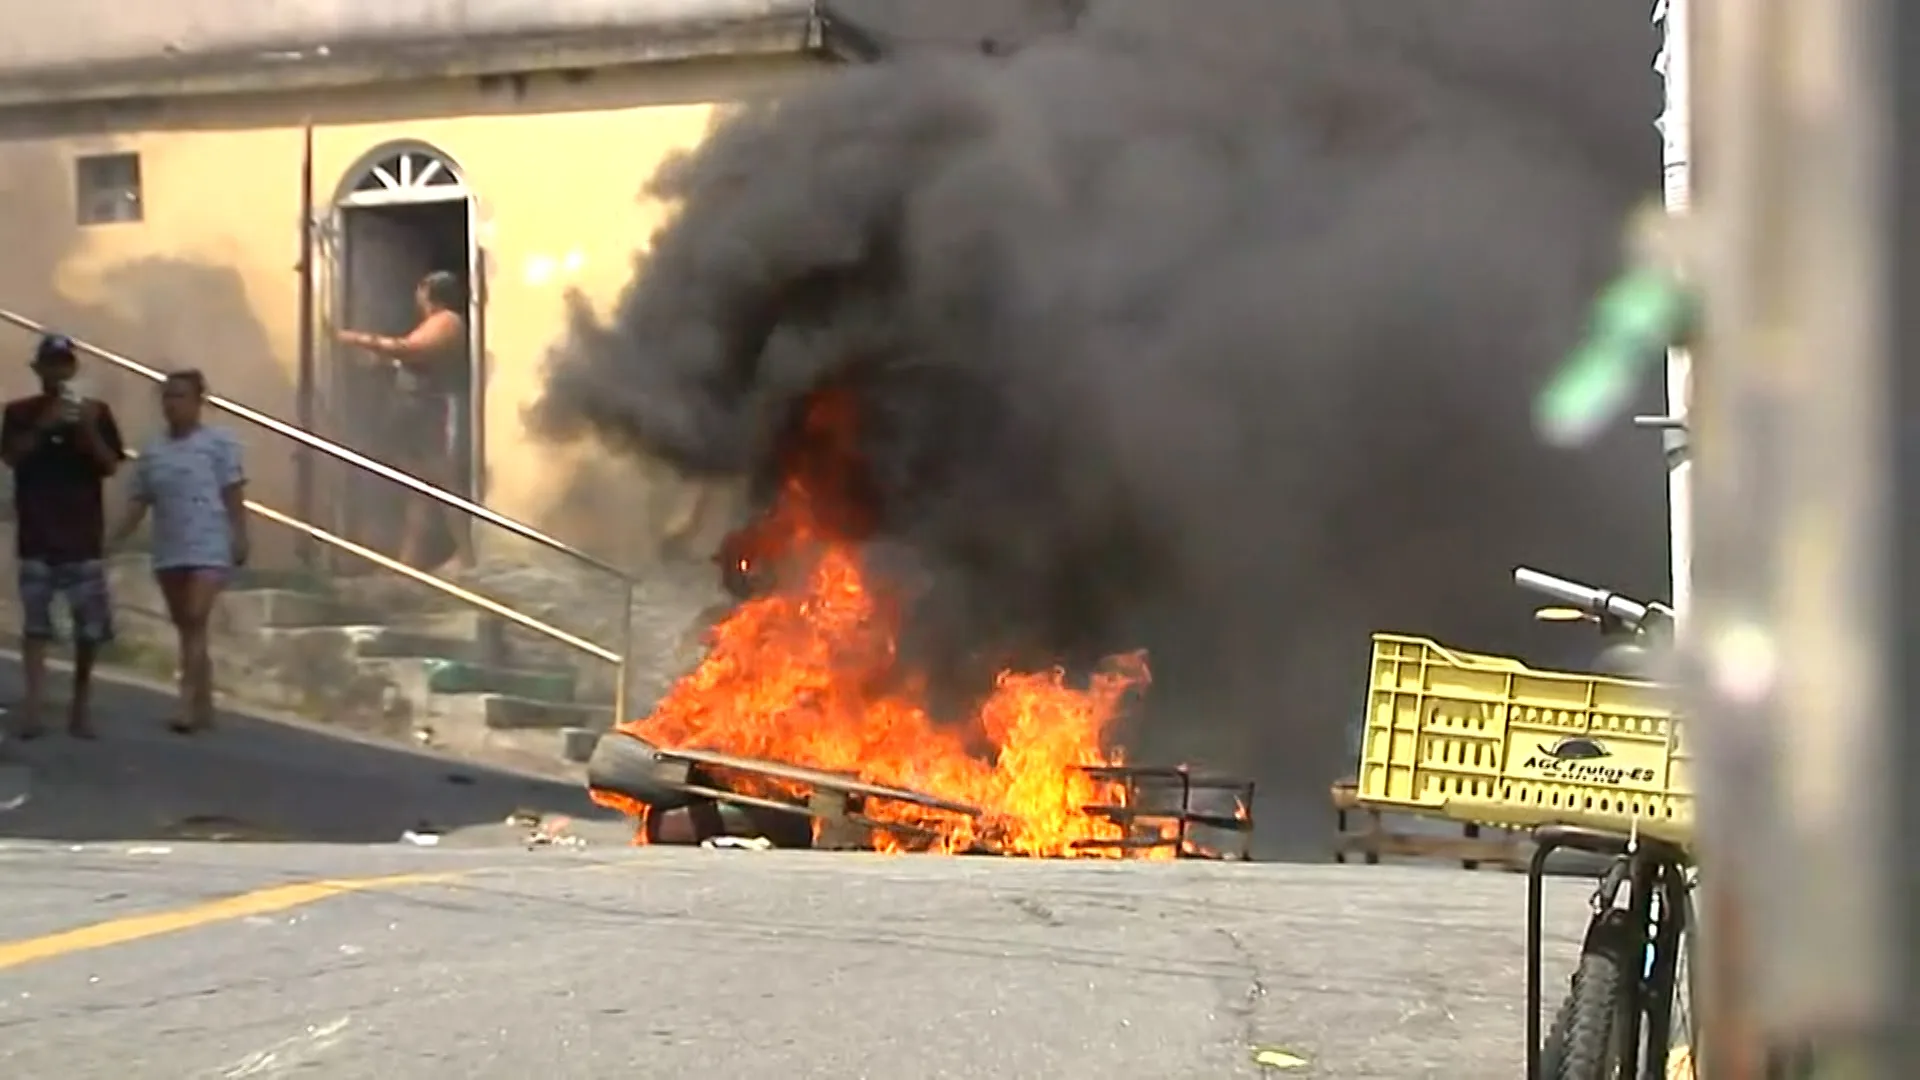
(1584,1041)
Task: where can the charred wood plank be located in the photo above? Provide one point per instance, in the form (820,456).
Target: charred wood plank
(625,764)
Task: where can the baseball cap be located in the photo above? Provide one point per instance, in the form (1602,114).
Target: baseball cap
(55,347)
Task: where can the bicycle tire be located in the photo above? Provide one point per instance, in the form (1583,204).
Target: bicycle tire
(1584,1041)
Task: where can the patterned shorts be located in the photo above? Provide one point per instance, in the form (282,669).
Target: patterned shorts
(84,587)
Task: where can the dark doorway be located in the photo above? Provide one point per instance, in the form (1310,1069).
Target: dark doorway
(384,252)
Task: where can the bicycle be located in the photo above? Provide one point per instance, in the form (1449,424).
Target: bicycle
(1617,1021)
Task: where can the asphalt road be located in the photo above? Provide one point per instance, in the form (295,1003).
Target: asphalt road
(686,963)
(132,958)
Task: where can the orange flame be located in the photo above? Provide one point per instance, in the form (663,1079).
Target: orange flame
(808,676)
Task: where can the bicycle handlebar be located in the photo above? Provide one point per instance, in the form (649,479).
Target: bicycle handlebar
(1598,603)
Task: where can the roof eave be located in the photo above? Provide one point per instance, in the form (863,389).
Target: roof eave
(347,65)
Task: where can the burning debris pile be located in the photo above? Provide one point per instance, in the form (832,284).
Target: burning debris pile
(804,698)
(1204,329)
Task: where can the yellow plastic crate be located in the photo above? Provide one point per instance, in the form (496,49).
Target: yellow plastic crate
(1487,739)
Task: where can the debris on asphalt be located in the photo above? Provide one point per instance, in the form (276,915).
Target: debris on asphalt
(737,843)
(1272,1057)
(215,828)
(149,849)
(552,832)
(420,839)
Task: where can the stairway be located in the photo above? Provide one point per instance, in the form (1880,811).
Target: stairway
(436,676)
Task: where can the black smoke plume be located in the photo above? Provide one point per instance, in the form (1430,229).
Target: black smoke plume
(1209,327)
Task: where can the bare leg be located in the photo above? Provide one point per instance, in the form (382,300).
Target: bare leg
(190,594)
(206,590)
(435,515)
(413,529)
(461,529)
(80,709)
(196,679)
(197,591)
(33,664)
(91,605)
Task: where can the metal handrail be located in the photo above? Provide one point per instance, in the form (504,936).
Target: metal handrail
(387,562)
(334,450)
(360,461)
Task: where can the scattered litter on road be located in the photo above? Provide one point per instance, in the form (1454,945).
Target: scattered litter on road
(215,828)
(738,843)
(289,1055)
(149,850)
(552,832)
(1272,1057)
(420,839)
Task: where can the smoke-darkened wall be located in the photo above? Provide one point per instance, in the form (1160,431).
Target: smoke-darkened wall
(1206,326)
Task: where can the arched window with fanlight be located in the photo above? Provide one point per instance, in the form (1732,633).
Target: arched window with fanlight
(408,174)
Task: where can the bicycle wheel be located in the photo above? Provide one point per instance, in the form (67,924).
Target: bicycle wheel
(1584,1041)
(1681,1062)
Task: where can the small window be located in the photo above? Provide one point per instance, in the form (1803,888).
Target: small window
(107,188)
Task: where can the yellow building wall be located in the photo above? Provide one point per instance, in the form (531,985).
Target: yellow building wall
(206,282)
(208,278)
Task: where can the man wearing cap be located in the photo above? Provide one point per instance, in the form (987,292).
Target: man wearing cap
(61,448)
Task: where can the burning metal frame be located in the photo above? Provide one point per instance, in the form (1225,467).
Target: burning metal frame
(693,796)
(1154,819)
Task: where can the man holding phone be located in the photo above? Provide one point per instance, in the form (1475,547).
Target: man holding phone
(61,447)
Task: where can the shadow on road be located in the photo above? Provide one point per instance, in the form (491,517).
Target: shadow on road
(250,779)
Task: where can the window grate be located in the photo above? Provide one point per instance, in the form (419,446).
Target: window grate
(107,189)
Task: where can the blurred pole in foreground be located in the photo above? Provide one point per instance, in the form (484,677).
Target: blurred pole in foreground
(1790,424)
(1676,166)
(1901,40)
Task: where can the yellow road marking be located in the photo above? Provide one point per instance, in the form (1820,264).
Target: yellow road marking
(101,935)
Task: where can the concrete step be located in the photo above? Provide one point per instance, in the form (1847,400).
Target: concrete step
(309,582)
(465,623)
(249,611)
(244,609)
(504,712)
(578,744)
(367,641)
(418,676)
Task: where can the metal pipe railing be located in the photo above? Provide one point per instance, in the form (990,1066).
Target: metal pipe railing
(460,593)
(335,450)
(360,461)
(464,595)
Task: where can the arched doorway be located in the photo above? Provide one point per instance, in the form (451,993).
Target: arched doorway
(401,212)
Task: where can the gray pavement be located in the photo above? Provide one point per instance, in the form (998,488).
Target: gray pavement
(122,956)
(685,963)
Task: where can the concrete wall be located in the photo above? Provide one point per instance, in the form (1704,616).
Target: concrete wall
(113,32)
(208,277)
